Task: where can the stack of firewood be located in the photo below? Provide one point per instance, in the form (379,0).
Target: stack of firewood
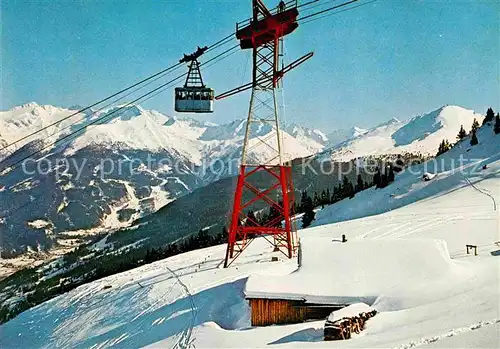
(342,328)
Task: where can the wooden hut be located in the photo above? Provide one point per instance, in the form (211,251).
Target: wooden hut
(267,311)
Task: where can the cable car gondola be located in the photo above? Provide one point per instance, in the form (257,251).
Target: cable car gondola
(194,97)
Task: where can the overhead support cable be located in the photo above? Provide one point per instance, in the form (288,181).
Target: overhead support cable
(307,3)
(162,73)
(113,114)
(151,79)
(326,10)
(334,13)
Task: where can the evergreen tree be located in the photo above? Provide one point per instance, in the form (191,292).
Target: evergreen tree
(339,192)
(274,214)
(377,177)
(383,179)
(347,188)
(490,115)
(335,195)
(295,207)
(444,146)
(461,134)
(252,220)
(263,218)
(316,200)
(473,140)
(360,185)
(346,192)
(400,164)
(440,148)
(203,239)
(497,124)
(390,175)
(309,213)
(324,198)
(475,125)
(303,199)
(351,191)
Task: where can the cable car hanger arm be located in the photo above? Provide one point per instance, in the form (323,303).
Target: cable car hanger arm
(193,56)
(294,64)
(279,74)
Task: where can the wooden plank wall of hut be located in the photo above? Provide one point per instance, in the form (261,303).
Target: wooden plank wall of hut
(320,312)
(267,312)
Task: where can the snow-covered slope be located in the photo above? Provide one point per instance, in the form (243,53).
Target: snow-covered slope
(421,134)
(189,300)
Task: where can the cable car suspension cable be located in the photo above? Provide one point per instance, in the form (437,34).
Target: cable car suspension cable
(177,66)
(155,76)
(322,3)
(164,72)
(311,19)
(307,3)
(327,10)
(122,109)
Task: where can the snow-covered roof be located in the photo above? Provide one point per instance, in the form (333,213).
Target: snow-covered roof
(332,272)
(349,311)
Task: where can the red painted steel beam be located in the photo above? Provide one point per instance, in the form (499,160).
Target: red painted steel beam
(279,75)
(270,28)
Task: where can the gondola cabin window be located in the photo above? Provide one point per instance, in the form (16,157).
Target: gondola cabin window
(194,100)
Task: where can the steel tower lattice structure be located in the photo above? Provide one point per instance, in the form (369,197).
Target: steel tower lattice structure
(265,178)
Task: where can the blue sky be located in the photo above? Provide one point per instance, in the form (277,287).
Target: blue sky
(383,60)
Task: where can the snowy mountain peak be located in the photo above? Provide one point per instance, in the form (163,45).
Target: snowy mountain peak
(339,136)
(300,131)
(29,105)
(452,114)
(422,133)
(125,114)
(356,131)
(422,126)
(389,122)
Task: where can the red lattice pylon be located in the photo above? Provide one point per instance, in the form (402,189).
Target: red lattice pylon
(279,227)
(265,179)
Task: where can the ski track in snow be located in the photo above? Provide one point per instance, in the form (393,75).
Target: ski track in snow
(482,191)
(450,333)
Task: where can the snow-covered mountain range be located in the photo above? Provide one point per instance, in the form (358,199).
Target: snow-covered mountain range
(117,171)
(141,129)
(420,134)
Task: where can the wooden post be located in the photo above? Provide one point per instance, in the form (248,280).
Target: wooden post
(469,247)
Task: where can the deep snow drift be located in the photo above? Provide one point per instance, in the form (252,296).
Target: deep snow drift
(440,296)
(336,273)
